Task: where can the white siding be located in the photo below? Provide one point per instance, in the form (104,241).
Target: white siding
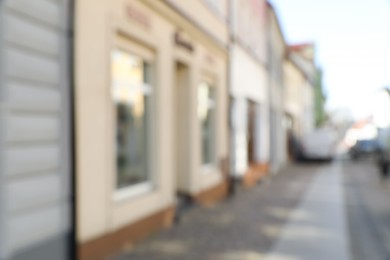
(31,159)
(38,225)
(32,36)
(3,252)
(27,65)
(23,193)
(34,120)
(33,97)
(35,128)
(47,12)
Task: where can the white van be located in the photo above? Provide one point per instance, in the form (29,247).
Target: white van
(319,144)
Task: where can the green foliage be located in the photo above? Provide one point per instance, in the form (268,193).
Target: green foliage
(319,100)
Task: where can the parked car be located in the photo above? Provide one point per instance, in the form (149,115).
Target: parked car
(383,154)
(364,148)
(319,145)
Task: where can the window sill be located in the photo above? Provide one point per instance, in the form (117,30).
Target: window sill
(132,191)
(209,168)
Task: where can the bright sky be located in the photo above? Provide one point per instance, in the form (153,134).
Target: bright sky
(353,45)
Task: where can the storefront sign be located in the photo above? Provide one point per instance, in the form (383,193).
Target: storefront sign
(210,59)
(138,16)
(182,42)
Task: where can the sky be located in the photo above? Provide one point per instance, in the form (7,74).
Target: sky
(352,39)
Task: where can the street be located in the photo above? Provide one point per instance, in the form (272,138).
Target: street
(335,210)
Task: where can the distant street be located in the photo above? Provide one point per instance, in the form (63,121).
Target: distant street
(336,210)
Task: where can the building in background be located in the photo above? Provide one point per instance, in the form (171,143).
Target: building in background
(35,130)
(276,50)
(248,90)
(303,56)
(295,82)
(151,115)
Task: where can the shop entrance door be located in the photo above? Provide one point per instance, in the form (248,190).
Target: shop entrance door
(182,136)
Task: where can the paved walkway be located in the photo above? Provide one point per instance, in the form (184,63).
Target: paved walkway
(299,214)
(368,207)
(317,228)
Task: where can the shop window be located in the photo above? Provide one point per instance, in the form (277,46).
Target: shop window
(207,116)
(132,95)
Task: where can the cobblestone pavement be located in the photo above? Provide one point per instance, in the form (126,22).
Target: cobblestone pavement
(243,227)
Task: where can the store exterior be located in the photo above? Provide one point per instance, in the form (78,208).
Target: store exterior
(295,83)
(302,55)
(248,91)
(35,133)
(276,50)
(151,115)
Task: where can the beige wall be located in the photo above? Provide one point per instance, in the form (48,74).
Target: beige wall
(308,69)
(298,99)
(219,7)
(201,14)
(294,97)
(97,27)
(294,81)
(294,94)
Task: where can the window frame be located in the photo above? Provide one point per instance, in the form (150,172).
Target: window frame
(209,166)
(127,45)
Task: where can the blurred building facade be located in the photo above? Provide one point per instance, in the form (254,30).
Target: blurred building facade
(35,130)
(303,57)
(152,117)
(104,135)
(300,96)
(248,78)
(276,50)
(294,87)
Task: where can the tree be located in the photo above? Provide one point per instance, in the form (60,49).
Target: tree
(319,100)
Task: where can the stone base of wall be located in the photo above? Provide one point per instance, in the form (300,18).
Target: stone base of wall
(213,195)
(108,245)
(255,173)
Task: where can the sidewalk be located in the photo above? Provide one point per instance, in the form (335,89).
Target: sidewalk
(368,207)
(299,214)
(317,228)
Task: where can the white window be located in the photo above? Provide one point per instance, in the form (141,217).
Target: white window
(132,95)
(207,117)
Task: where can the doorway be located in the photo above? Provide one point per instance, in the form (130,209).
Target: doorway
(290,137)
(251,143)
(182,137)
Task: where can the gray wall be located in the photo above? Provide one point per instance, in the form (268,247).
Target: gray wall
(35,209)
